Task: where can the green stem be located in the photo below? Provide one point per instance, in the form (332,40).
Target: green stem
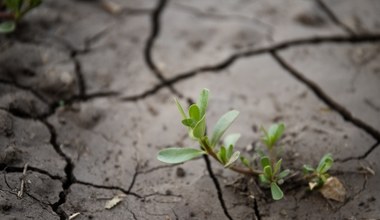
(272,155)
(241,170)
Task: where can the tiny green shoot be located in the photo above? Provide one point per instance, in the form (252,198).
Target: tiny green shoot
(317,177)
(13,11)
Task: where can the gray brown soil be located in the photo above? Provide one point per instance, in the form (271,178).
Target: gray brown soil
(86,102)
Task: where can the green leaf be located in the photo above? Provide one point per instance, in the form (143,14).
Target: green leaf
(266,138)
(323,178)
(7,27)
(268,172)
(245,161)
(277,167)
(276,191)
(283,174)
(325,164)
(14,5)
(264,161)
(222,155)
(275,132)
(189,122)
(203,102)
(263,179)
(200,128)
(180,109)
(307,169)
(232,159)
(178,155)
(194,112)
(230,151)
(221,126)
(231,139)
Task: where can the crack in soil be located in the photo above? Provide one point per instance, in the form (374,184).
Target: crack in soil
(80,77)
(216,68)
(217,186)
(256,209)
(334,18)
(134,177)
(155,31)
(69,168)
(346,115)
(125,191)
(363,156)
(11,169)
(25,88)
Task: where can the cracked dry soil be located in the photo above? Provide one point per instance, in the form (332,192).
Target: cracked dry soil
(85,101)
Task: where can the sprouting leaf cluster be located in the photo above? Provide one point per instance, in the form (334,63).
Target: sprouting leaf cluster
(317,177)
(12,11)
(195,121)
(271,175)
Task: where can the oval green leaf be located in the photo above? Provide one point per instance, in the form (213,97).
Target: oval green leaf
(189,122)
(222,125)
(283,174)
(178,155)
(203,102)
(231,139)
(232,159)
(264,161)
(7,27)
(222,155)
(325,164)
(263,179)
(200,128)
(276,191)
(180,109)
(268,172)
(307,169)
(194,112)
(275,132)
(277,167)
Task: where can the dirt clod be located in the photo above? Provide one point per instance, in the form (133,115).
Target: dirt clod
(180,172)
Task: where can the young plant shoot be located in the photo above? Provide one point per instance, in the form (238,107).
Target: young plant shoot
(14,11)
(271,174)
(318,177)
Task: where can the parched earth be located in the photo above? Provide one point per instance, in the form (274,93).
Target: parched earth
(86,102)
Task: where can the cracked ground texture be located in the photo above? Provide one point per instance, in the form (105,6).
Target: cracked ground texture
(86,102)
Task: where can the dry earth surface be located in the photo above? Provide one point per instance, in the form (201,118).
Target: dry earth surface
(86,102)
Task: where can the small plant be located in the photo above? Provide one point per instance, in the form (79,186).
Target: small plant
(11,11)
(271,174)
(318,177)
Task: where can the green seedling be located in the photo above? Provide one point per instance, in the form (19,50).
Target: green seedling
(11,11)
(195,121)
(317,177)
(270,176)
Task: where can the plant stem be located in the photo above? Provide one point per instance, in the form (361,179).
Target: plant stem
(248,172)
